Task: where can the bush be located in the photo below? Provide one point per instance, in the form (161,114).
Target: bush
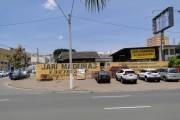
(174,61)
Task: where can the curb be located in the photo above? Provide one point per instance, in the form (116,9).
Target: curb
(9,84)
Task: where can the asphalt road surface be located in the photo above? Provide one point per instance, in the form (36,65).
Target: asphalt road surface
(17,104)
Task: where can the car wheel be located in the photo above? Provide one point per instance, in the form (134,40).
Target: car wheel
(116,78)
(164,78)
(158,80)
(138,77)
(135,82)
(98,81)
(146,79)
(122,80)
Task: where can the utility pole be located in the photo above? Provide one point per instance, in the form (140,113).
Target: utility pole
(37,56)
(70,53)
(174,47)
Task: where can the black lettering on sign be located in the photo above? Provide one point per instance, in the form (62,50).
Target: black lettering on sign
(54,66)
(89,66)
(64,66)
(94,65)
(48,66)
(43,67)
(74,66)
(60,72)
(84,66)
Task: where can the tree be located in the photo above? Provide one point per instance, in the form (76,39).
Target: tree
(19,58)
(95,4)
(57,52)
(174,61)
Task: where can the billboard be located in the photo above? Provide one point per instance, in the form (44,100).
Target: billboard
(163,20)
(143,53)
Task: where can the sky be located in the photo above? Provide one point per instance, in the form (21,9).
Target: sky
(41,24)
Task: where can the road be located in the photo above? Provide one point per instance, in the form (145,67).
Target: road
(17,104)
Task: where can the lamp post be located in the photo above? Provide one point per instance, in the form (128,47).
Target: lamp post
(70,42)
(37,52)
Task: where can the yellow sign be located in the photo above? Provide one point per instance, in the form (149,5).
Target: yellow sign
(143,53)
(61,70)
(138,66)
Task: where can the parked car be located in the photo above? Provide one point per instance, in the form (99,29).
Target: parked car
(34,71)
(102,76)
(127,75)
(149,74)
(26,74)
(3,74)
(169,74)
(16,75)
(9,72)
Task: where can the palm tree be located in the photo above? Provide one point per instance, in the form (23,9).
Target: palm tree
(94,5)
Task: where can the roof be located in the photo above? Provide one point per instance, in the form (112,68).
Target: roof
(125,50)
(80,55)
(105,56)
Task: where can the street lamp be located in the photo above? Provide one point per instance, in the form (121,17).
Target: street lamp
(34,52)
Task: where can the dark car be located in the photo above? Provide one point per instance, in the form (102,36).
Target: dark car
(102,76)
(16,75)
(9,72)
(26,74)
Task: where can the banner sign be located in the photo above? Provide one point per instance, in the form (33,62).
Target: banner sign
(61,70)
(143,53)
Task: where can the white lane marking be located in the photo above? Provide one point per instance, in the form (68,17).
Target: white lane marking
(4,99)
(126,107)
(110,96)
(35,93)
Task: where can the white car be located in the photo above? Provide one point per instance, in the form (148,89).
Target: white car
(34,71)
(3,74)
(149,74)
(126,75)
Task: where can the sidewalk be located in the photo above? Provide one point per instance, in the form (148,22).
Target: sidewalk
(91,85)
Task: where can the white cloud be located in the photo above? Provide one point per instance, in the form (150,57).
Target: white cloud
(60,37)
(50,4)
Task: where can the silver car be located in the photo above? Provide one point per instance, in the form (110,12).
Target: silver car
(169,74)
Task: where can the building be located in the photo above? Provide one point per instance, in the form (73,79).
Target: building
(156,40)
(139,54)
(77,57)
(47,58)
(4,54)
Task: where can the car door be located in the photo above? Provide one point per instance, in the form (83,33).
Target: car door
(121,73)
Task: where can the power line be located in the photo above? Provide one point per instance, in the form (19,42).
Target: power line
(5,46)
(118,24)
(83,19)
(31,21)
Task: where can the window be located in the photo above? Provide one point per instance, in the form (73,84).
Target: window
(171,51)
(166,52)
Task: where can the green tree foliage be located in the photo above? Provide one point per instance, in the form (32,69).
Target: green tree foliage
(57,52)
(19,58)
(174,61)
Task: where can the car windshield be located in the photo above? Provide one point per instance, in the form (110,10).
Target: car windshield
(130,72)
(16,72)
(153,71)
(103,73)
(173,71)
